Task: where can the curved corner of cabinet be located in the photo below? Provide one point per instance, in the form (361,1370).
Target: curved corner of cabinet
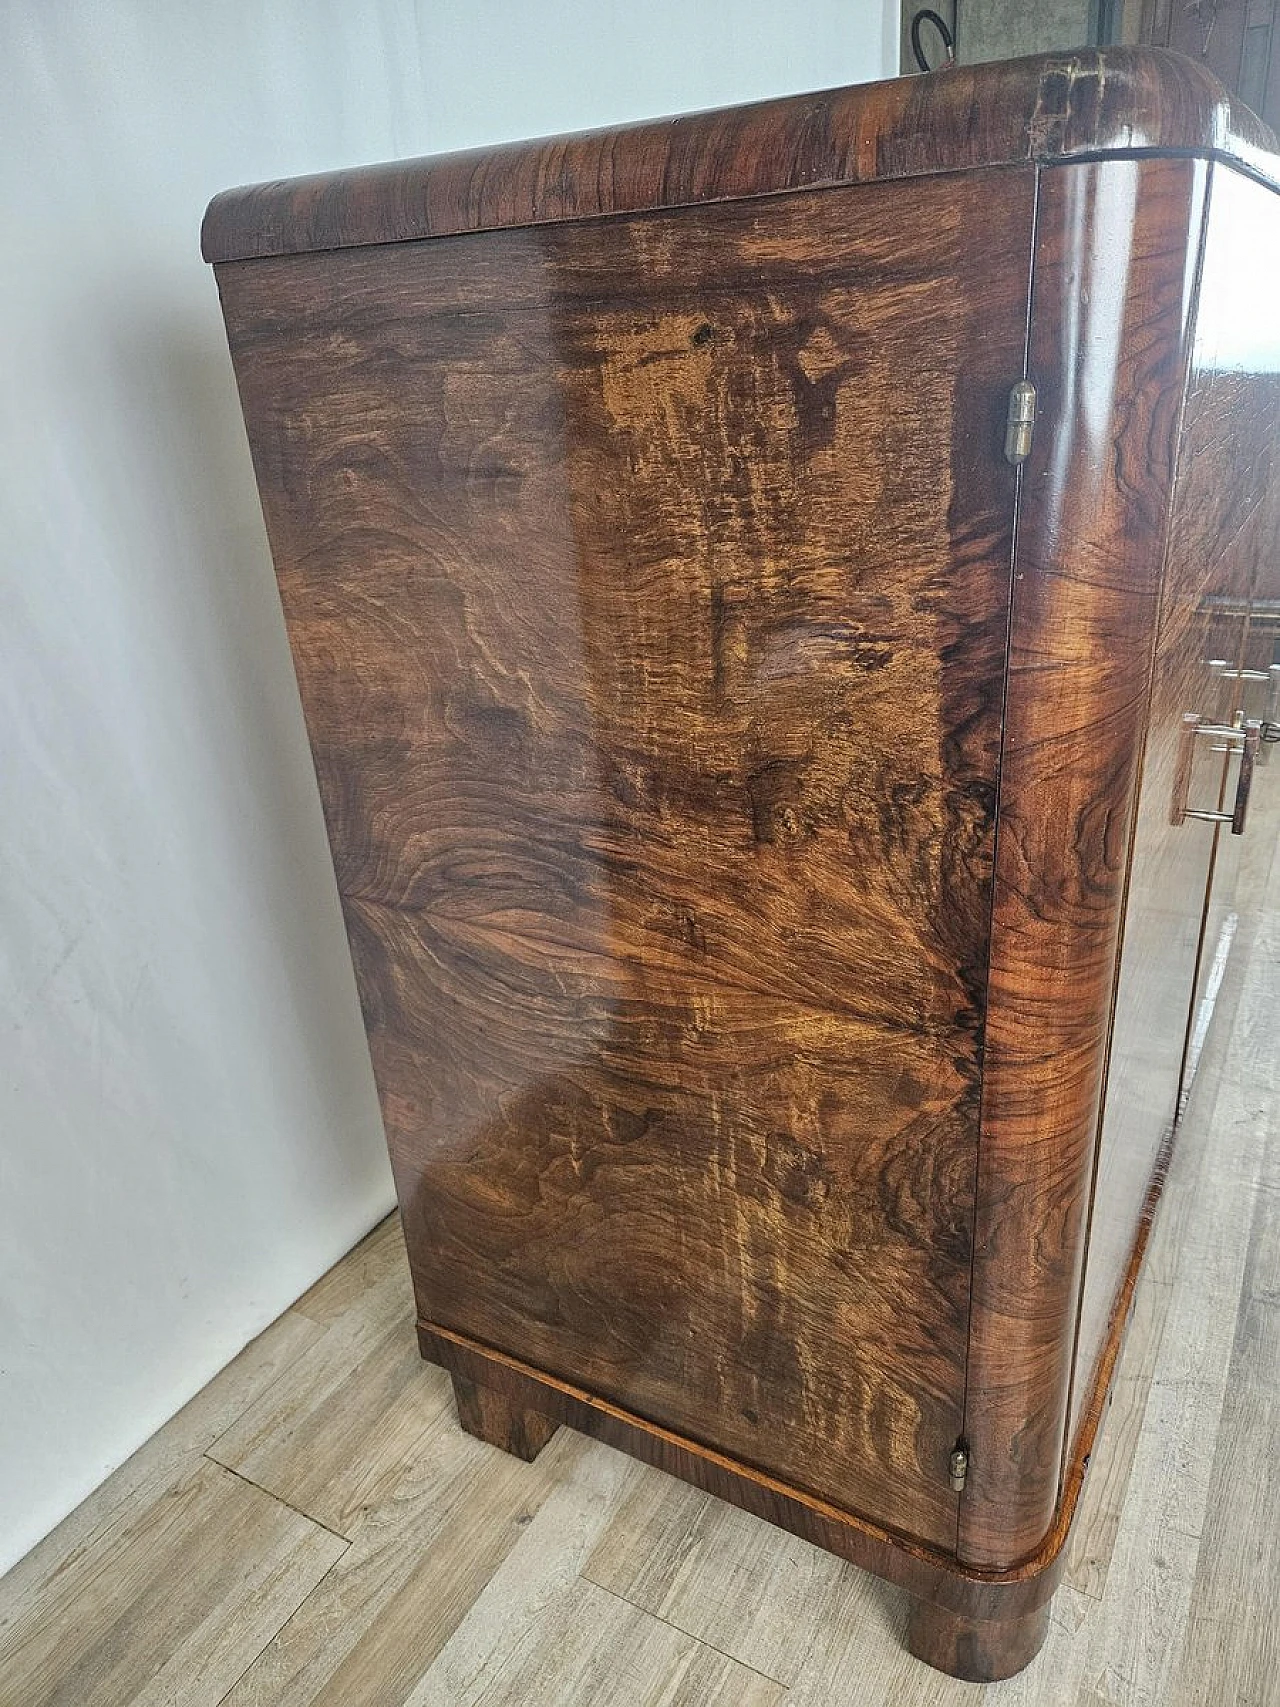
(1112,300)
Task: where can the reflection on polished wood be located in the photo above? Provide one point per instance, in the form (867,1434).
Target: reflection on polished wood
(1223,553)
(1049,108)
(1109,333)
(978,1650)
(610,1584)
(734,766)
(666,844)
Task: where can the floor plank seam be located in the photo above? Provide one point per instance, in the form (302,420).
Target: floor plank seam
(288,1504)
(693,1636)
(1178,1615)
(259,1395)
(280,1629)
(112,1512)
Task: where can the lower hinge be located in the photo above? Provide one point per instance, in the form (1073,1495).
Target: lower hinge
(958,1467)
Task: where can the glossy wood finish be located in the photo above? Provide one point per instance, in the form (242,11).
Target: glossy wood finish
(663,832)
(1233,417)
(1238,40)
(1044,108)
(1224,533)
(468,1558)
(732,824)
(978,1650)
(949,1589)
(1115,245)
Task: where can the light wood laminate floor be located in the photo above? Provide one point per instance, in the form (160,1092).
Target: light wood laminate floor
(314,1529)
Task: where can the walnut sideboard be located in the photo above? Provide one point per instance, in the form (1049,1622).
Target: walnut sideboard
(780,603)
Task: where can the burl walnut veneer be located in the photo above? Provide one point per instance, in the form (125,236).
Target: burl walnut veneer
(766,785)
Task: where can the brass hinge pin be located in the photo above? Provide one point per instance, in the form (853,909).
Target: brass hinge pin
(958,1467)
(1021,422)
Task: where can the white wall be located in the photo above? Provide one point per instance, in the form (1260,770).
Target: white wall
(190,1133)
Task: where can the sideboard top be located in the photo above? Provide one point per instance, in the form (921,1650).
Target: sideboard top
(1050,107)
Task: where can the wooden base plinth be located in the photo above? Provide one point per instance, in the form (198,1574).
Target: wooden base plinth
(494,1417)
(979,1650)
(978,1625)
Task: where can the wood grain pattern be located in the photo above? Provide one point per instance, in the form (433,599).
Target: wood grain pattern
(773,1601)
(467,1545)
(1045,108)
(588,1646)
(649,584)
(420,1559)
(928,1574)
(208,1569)
(1115,252)
(1240,43)
(979,1650)
(490,1416)
(1223,534)
(1231,1647)
(539,1632)
(659,774)
(1093,1535)
(1165,1543)
(376,1263)
(336,1440)
(96,1525)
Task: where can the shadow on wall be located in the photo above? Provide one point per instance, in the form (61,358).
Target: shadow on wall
(253,839)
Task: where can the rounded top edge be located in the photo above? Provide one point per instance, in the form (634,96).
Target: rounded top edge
(1042,109)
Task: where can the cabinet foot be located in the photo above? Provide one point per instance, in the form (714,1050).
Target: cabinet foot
(979,1650)
(493,1417)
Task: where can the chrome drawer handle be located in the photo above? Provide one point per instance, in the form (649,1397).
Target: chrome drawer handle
(1249,735)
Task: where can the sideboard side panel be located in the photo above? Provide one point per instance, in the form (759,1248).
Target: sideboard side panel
(1111,301)
(647,581)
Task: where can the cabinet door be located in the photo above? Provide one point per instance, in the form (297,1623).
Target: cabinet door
(647,580)
(1239,376)
(1212,664)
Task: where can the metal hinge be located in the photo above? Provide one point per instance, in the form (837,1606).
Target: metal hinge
(958,1467)
(1020,423)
